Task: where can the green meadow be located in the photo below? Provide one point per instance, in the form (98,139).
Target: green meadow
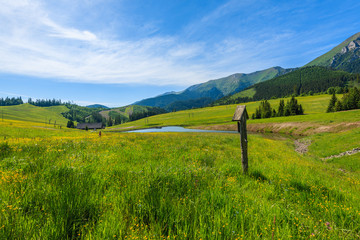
(59,183)
(315,115)
(29,113)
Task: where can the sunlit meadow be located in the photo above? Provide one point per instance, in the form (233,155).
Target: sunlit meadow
(77,185)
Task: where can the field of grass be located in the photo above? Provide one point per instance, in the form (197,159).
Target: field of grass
(76,185)
(247,93)
(315,108)
(22,129)
(28,112)
(59,183)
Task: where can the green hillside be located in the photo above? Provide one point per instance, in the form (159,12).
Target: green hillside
(131,112)
(202,94)
(339,58)
(310,79)
(234,83)
(96,106)
(28,112)
(307,80)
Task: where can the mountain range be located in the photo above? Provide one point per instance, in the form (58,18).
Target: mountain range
(345,56)
(203,94)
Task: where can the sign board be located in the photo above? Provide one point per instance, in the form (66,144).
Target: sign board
(240,116)
(239,112)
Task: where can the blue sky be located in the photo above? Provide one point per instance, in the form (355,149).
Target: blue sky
(116,52)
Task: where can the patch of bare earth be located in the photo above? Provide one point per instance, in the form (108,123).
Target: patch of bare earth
(302,145)
(293,128)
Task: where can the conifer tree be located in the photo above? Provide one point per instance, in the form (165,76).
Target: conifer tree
(338,106)
(281,108)
(333,100)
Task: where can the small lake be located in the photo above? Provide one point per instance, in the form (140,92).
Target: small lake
(273,136)
(176,129)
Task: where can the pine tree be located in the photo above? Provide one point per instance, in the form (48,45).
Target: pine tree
(333,100)
(281,108)
(301,110)
(110,122)
(70,124)
(293,106)
(287,109)
(273,113)
(338,106)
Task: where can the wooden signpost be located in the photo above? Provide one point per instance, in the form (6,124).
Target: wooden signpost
(240,117)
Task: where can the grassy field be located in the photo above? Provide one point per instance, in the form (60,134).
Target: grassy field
(59,183)
(180,186)
(28,112)
(315,116)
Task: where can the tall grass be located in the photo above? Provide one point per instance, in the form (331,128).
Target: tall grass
(160,186)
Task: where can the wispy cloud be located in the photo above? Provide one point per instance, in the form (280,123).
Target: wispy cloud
(44,48)
(230,38)
(70,33)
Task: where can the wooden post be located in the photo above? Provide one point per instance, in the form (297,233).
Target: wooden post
(240,117)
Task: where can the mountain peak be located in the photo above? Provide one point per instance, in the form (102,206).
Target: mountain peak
(345,56)
(352,46)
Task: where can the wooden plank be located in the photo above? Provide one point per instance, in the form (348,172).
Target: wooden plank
(239,112)
(244,145)
(240,116)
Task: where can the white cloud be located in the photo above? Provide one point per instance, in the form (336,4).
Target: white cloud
(34,44)
(70,33)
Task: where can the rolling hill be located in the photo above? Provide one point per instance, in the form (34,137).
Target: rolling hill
(30,113)
(202,94)
(96,106)
(131,112)
(305,80)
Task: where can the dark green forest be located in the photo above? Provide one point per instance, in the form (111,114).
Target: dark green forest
(304,81)
(79,113)
(149,111)
(45,102)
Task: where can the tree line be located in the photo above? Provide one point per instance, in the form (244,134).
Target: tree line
(11,101)
(291,108)
(349,101)
(45,102)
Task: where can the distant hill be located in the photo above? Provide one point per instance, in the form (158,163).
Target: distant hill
(345,56)
(97,106)
(30,113)
(202,94)
(130,113)
(305,80)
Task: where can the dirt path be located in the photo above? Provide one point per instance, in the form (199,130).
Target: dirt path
(292,128)
(350,152)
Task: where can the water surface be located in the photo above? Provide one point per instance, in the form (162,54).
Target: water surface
(176,129)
